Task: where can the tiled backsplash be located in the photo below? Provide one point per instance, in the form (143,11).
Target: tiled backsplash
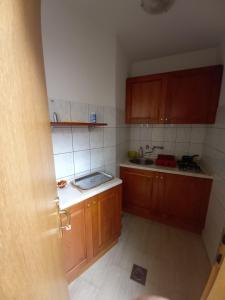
(214,159)
(81,150)
(176,139)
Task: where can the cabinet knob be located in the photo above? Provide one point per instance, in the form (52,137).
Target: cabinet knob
(161,119)
(161,177)
(156,176)
(94,202)
(89,205)
(166,119)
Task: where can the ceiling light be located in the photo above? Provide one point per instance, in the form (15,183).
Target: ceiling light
(156,6)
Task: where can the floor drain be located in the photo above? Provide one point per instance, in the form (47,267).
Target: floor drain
(139,274)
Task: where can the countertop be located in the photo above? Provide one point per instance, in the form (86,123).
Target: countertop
(70,195)
(170,170)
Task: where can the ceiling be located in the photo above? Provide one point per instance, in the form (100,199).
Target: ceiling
(189,25)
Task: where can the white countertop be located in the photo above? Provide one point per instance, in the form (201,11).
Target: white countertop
(170,170)
(70,195)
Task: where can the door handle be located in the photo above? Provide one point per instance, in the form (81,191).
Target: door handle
(67,226)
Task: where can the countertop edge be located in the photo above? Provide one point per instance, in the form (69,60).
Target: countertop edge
(64,204)
(163,170)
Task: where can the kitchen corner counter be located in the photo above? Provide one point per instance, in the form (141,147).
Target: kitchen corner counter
(169,170)
(70,195)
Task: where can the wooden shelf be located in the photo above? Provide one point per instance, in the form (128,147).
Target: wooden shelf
(69,124)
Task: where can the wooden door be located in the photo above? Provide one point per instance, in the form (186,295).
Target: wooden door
(193,95)
(186,201)
(106,219)
(215,287)
(77,243)
(31,258)
(137,191)
(145,99)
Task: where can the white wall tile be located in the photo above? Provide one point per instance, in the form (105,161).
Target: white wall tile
(110,116)
(181,149)
(79,112)
(64,165)
(145,134)
(158,133)
(135,133)
(109,155)
(170,134)
(96,138)
(198,134)
(82,161)
(110,169)
(183,134)
(62,140)
(97,158)
(195,149)
(109,137)
(62,109)
(81,139)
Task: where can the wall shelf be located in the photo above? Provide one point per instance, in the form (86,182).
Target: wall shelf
(69,124)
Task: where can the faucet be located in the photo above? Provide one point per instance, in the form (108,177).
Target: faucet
(152,149)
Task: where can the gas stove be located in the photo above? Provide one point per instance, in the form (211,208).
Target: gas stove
(189,166)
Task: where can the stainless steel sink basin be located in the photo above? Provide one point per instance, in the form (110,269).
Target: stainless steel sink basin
(142,161)
(90,181)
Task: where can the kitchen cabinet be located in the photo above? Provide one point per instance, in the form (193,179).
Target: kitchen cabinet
(193,95)
(172,199)
(96,225)
(145,99)
(180,97)
(106,219)
(137,191)
(77,243)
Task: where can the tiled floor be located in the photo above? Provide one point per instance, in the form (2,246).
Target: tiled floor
(176,260)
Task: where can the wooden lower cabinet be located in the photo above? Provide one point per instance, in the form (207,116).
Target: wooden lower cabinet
(176,200)
(106,216)
(96,225)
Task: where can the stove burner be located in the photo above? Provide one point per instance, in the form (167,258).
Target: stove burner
(189,166)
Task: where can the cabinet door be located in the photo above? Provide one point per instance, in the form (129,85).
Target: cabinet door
(193,95)
(77,243)
(106,219)
(137,191)
(186,201)
(145,98)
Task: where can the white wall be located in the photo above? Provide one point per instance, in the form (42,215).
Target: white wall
(186,60)
(79,56)
(214,158)
(86,71)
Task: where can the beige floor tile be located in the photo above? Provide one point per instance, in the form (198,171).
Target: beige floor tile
(176,261)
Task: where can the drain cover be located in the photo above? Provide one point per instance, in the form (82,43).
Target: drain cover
(139,274)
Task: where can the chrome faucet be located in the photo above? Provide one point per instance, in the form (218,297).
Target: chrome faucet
(152,149)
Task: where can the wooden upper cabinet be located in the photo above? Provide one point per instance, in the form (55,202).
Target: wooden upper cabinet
(193,95)
(144,101)
(180,97)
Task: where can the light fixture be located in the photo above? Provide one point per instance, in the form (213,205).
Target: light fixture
(156,6)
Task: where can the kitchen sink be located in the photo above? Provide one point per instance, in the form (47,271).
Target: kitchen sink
(142,161)
(92,180)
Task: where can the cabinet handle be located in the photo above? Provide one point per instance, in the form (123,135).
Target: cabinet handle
(68,226)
